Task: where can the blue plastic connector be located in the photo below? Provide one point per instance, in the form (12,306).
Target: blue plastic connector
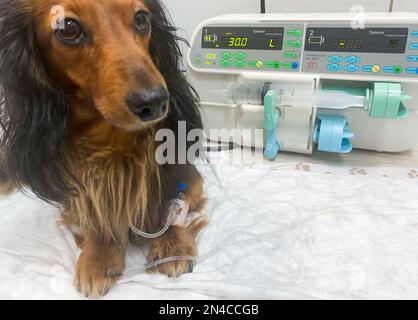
(182,186)
(332,134)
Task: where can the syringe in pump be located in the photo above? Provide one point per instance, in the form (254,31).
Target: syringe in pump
(252,93)
(374,100)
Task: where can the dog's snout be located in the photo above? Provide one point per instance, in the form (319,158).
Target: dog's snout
(148,105)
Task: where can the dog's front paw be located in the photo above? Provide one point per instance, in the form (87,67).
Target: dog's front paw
(98,271)
(176,242)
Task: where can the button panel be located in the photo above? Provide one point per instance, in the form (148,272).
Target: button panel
(292,57)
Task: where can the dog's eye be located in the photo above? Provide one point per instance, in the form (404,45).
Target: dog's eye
(142,22)
(72,33)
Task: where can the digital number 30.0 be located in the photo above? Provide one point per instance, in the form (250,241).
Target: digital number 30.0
(238,42)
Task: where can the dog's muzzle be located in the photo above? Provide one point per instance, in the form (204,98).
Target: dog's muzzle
(148,105)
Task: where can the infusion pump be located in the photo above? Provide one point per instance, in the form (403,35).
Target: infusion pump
(326,81)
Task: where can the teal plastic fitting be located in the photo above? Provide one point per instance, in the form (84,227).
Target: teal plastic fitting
(271,122)
(382,100)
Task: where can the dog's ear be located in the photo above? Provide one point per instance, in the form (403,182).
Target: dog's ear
(165,50)
(33,114)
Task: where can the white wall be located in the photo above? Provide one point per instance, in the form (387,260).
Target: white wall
(187,14)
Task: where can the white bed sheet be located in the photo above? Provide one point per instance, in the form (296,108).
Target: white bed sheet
(291,230)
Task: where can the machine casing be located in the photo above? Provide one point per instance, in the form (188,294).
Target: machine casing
(309,69)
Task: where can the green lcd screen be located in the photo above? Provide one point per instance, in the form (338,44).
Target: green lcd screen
(255,38)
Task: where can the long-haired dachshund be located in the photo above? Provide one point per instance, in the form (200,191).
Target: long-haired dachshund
(79,112)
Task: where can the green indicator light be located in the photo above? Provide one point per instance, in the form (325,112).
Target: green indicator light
(290,43)
(291,33)
(398,69)
(252,64)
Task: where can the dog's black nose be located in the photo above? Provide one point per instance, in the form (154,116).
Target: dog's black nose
(148,105)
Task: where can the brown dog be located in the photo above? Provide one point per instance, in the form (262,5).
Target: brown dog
(81,105)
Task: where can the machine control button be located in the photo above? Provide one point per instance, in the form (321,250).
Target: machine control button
(298,33)
(287,65)
(334,67)
(414,34)
(259,64)
(367,68)
(388,69)
(241,56)
(412,70)
(297,44)
(294,33)
(376,68)
(292,54)
(226,63)
(396,69)
(198,60)
(413,58)
(335,59)
(240,64)
(226,55)
(413,46)
(289,43)
(288,54)
(273,64)
(353,59)
(291,65)
(352,68)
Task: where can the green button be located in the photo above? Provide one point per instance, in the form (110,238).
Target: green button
(274,64)
(294,33)
(298,33)
(240,64)
(226,55)
(297,44)
(292,54)
(290,32)
(288,65)
(226,63)
(289,43)
(398,69)
(241,55)
(288,54)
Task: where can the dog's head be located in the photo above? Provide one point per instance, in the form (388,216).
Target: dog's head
(120,56)
(101,50)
